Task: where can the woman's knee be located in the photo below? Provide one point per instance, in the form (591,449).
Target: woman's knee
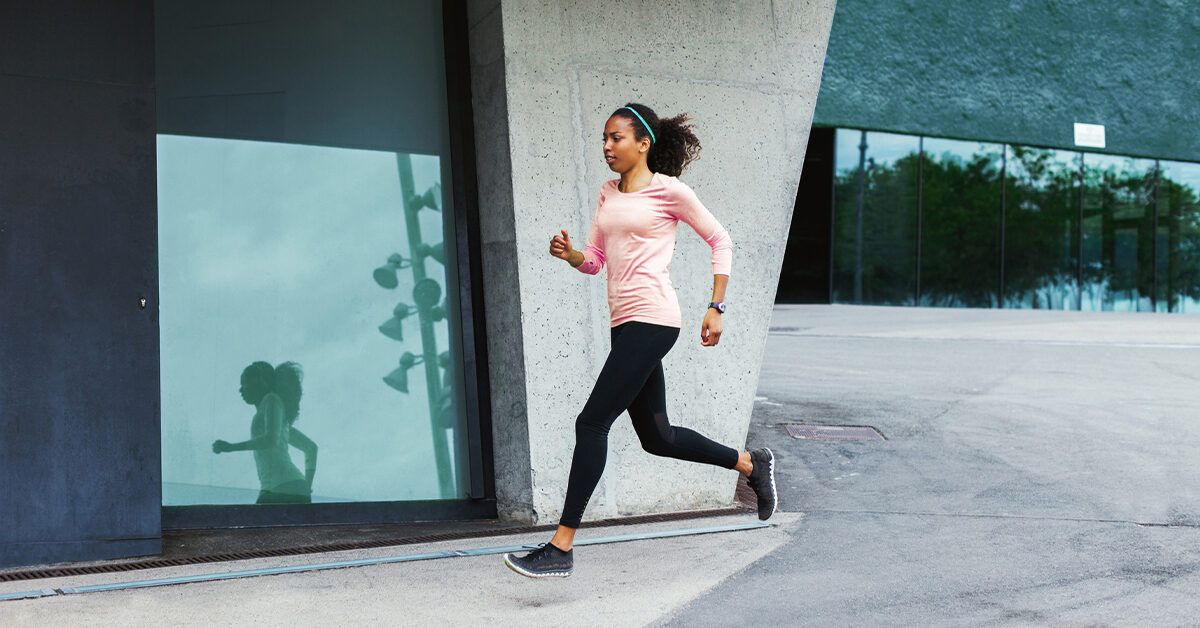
(655,446)
(587,426)
(656,441)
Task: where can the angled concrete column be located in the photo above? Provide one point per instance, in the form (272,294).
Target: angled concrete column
(546,75)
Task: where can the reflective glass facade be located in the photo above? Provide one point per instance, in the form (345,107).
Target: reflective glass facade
(310,332)
(954,223)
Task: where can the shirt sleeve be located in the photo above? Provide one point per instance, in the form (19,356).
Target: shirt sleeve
(689,209)
(593,250)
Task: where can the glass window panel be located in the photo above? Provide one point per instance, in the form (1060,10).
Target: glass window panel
(960,257)
(845,202)
(1118,233)
(1041,222)
(876,263)
(301,161)
(1178,237)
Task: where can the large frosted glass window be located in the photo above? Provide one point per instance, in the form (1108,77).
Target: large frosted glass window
(309,320)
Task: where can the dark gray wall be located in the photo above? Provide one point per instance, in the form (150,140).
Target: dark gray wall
(1019,71)
(79,390)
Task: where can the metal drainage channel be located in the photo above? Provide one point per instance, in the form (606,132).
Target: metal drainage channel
(270,571)
(157,563)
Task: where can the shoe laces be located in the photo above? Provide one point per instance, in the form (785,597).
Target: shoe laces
(539,553)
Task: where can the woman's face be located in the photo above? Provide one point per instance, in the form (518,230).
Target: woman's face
(252,389)
(623,151)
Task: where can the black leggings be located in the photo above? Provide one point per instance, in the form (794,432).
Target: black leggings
(632,379)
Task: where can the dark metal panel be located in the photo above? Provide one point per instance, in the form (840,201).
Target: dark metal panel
(804,275)
(79,393)
(470,250)
(78,40)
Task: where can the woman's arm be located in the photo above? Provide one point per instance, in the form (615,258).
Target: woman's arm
(306,445)
(591,259)
(272,409)
(689,209)
(719,284)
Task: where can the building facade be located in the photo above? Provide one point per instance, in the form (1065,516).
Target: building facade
(285,263)
(945,167)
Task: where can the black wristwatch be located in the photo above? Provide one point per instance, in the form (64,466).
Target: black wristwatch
(718,306)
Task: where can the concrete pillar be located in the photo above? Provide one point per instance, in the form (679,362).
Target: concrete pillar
(546,76)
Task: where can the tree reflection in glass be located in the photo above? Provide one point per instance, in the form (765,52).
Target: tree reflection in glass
(275,393)
(1178,263)
(1041,224)
(960,256)
(1052,229)
(1118,231)
(875,257)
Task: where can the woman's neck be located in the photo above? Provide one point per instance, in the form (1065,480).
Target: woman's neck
(637,177)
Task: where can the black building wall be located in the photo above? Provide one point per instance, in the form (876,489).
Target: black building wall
(79,386)
(804,274)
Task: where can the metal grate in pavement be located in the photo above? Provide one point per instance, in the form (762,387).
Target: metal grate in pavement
(154,563)
(363,562)
(833,433)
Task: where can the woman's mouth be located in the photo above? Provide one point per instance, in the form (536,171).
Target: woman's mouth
(610,159)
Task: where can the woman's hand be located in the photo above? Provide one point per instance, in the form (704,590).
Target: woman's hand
(710,329)
(220,446)
(560,246)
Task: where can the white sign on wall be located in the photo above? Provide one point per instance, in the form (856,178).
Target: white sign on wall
(1091,135)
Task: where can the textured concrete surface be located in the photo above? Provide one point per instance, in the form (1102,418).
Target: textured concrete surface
(1040,470)
(1021,71)
(748,73)
(502,285)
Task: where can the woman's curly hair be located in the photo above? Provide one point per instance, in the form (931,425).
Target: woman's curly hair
(674,146)
(288,378)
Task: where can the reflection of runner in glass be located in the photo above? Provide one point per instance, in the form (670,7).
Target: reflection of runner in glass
(276,392)
(633,230)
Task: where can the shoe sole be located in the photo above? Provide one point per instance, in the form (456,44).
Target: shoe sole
(530,574)
(774,493)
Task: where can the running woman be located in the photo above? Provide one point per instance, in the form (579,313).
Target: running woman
(633,232)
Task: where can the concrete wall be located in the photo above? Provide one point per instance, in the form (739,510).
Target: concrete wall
(79,397)
(546,76)
(1021,71)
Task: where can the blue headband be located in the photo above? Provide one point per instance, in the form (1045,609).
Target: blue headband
(643,122)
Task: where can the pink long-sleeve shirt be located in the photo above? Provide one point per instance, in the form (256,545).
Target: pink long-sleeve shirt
(634,234)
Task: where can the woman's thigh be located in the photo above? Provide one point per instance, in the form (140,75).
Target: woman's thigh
(637,350)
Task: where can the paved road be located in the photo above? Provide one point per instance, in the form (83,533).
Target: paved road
(1040,468)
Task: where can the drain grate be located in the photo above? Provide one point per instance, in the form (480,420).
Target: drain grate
(833,433)
(154,563)
(362,562)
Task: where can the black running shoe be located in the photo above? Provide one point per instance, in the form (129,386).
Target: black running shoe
(546,561)
(762,480)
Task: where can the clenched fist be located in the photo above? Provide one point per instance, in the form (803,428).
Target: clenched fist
(560,246)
